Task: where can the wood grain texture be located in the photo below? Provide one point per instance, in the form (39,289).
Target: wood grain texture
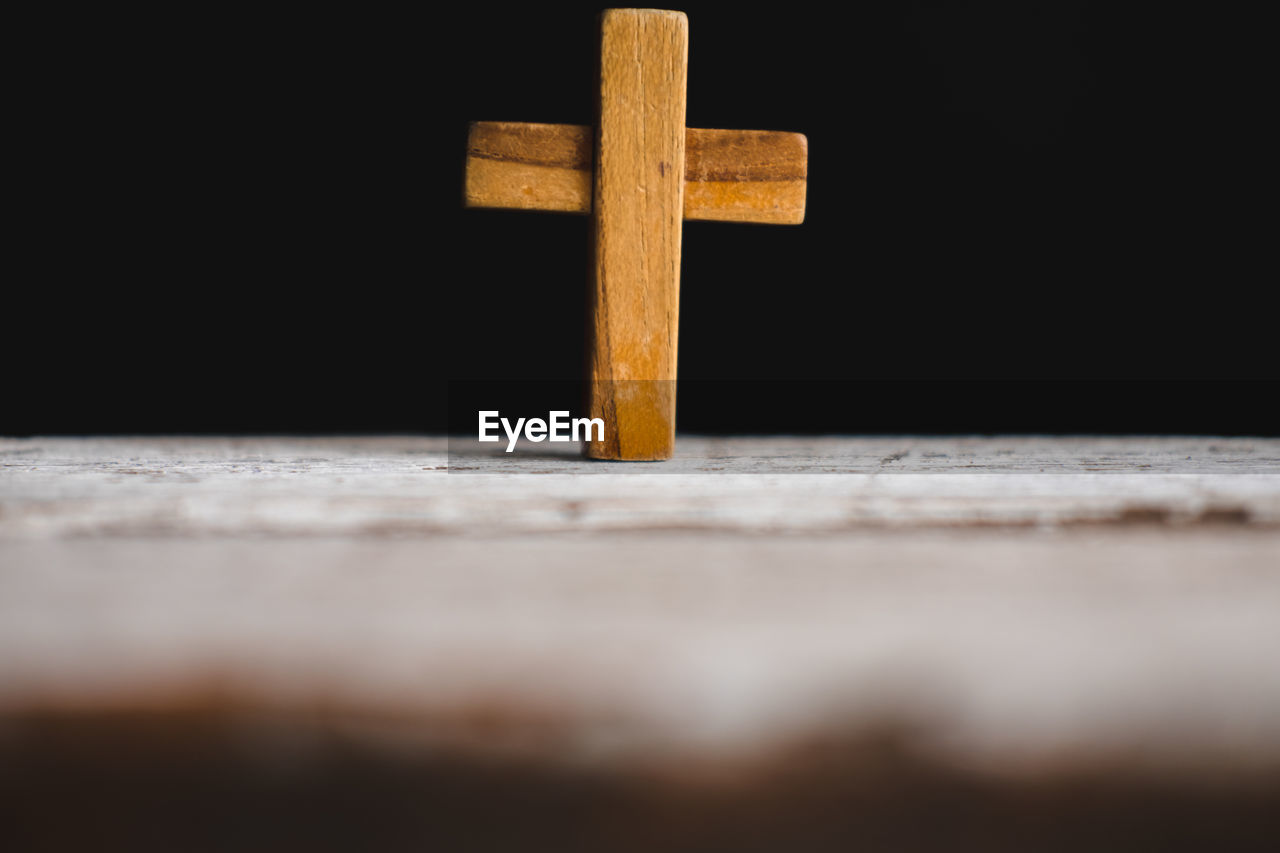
(401,486)
(757,176)
(529,166)
(638,206)
(981,584)
(746,176)
(189,621)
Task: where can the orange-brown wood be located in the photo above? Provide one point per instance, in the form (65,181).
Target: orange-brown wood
(637,208)
(745,176)
(730,175)
(529,166)
(639,172)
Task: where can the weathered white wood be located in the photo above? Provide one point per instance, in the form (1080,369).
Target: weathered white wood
(1066,600)
(1011,646)
(415,486)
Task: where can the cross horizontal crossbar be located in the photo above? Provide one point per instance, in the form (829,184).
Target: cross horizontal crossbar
(730,175)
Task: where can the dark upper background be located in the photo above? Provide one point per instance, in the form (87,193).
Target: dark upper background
(1021,217)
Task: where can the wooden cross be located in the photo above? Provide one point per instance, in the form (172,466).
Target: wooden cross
(650,172)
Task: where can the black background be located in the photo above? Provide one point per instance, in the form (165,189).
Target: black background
(1022,217)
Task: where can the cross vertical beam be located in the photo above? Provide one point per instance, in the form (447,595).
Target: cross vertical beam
(638,207)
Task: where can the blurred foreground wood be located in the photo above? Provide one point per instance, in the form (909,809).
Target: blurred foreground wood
(892,643)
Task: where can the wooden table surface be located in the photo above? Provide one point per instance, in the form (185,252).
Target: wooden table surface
(1012,607)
